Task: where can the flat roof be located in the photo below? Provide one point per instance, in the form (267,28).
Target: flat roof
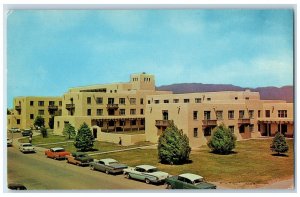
(146,167)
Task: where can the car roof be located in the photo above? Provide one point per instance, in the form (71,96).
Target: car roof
(191,176)
(146,167)
(57,148)
(108,160)
(25,143)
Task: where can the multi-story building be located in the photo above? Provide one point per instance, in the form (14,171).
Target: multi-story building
(108,107)
(198,113)
(26,109)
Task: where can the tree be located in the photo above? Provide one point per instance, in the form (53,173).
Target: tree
(51,122)
(8,112)
(222,140)
(173,146)
(84,139)
(39,122)
(69,131)
(44,132)
(279,144)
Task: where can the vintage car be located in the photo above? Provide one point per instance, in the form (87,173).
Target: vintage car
(15,130)
(147,173)
(56,153)
(26,148)
(109,166)
(16,186)
(79,158)
(9,142)
(188,181)
(26,132)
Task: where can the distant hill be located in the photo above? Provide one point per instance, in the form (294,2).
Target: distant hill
(266,93)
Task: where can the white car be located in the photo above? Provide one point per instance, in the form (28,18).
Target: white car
(147,173)
(26,147)
(15,130)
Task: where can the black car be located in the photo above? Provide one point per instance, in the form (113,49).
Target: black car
(16,186)
(27,132)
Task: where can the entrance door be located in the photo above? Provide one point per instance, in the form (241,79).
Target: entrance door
(95,133)
(283,129)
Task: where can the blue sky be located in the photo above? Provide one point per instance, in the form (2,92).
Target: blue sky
(51,51)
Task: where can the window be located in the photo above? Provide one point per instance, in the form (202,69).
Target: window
(132,111)
(165,114)
(267,113)
(247,98)
(197,100)
(31,103)
(142,111)
(166,101)
(149,101)
(175,100)
(133,122)
(156,101)
(132,101)
(195,132)
(251,114)
(41,103)
(31,116)
(111,101)
(219,115)
(186,100)
(231,114)
(259,113)
(236,98)
(207,131)
(282,113)
(143,122)
(58,124)
(208,99)
(241,114)
(231,128)
(206,115)
(18,121)
(141,101)
(89,112)
(122,112)
(195,115)
(99,100)
(41,112)
(122,101)
(51,103)
(99,112)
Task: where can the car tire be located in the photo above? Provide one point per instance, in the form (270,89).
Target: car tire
(147,181)
(106,171)
(127,176)
(168,186)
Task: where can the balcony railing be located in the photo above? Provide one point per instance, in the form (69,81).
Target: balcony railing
(52,107)
(70,106)
(163,123)
(244,121)
(18,107)
(112,106)
(209,122)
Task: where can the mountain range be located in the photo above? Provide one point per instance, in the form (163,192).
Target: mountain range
(266,93)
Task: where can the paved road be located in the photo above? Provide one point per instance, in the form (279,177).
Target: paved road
(40,173)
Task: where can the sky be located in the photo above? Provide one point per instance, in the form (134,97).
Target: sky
(50,51)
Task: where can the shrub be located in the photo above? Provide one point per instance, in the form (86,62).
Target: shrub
(39,122)
(69,131)
(173,146)
(51,122)
(222,140)
(84,139)
(279,144)
(44,132)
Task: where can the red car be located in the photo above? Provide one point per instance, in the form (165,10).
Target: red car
(57,153)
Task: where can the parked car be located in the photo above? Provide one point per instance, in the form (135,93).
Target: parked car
(188,181)
(9,142)
(15,130)
(26,132)
(57,153)
(109,166)
(79,158)
(26,147)
(16,186)
(147,173)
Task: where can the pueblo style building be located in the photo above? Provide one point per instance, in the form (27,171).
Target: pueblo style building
(111,110)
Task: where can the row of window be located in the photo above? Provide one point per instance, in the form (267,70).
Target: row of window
(122,101)
(197,100)
(208,131)
(122,112)
(219,114)
(42,103)
(146,79)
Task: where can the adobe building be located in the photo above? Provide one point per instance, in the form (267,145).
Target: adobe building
(109,109)
(26,109)
(197,114)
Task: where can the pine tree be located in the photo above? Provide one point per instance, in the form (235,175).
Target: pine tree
(84,140)
(279,144)
(222,140)
(44,132)
(69,131)
(173,146)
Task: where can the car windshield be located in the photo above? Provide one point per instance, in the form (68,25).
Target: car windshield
(197,181)
(153,170)
(27,145)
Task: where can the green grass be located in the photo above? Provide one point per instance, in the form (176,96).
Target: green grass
(129,132)
(251,163)
(40,140)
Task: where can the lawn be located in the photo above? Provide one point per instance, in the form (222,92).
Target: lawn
(38,139)
(251,163)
